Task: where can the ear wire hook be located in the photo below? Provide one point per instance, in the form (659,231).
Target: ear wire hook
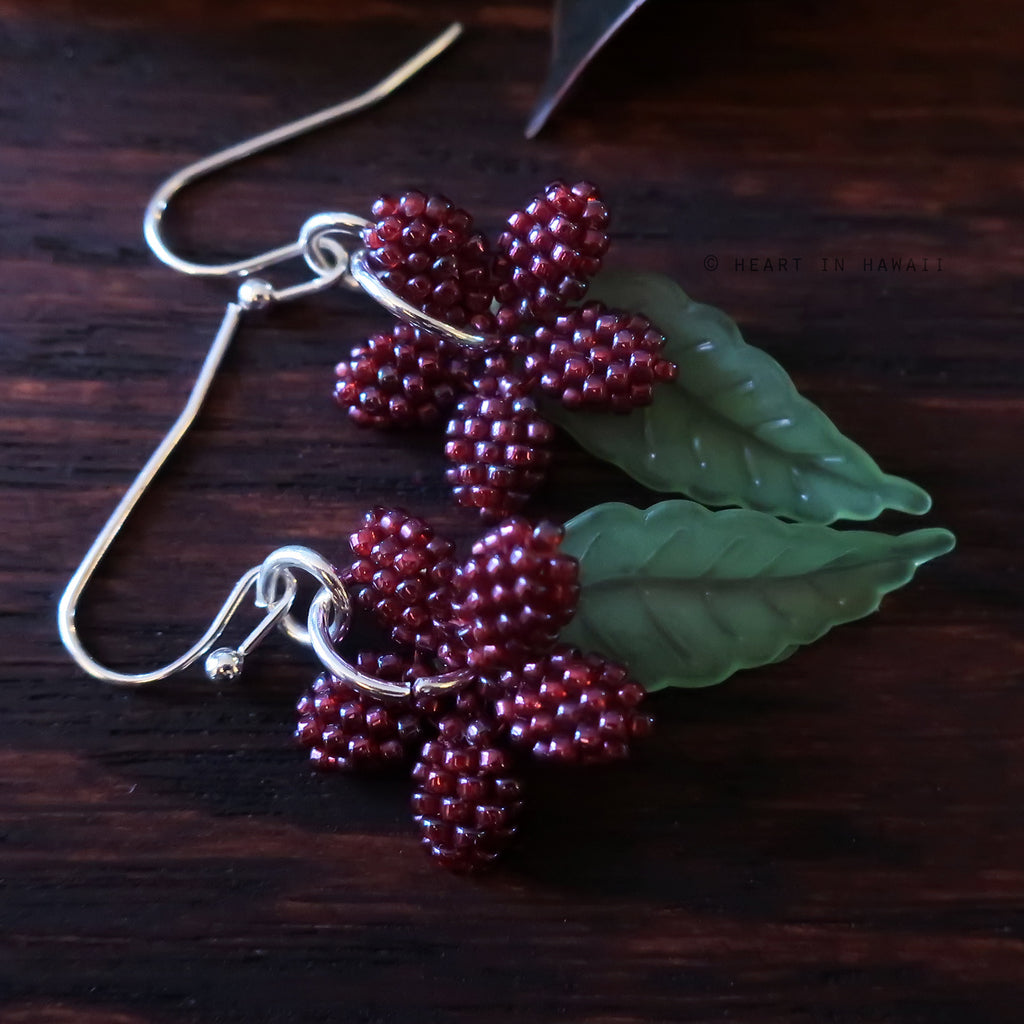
(153,222)
(330,261)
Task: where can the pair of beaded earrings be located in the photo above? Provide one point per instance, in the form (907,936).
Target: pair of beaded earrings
(546,638)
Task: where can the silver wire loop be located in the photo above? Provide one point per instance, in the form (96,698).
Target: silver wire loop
(277,607)
(294,556)
(318,624)
(157,208)
(338,226)
(255,293)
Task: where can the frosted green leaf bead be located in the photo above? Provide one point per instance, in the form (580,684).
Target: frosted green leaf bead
(685,596)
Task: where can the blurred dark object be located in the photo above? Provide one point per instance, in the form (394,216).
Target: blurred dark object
(580,29)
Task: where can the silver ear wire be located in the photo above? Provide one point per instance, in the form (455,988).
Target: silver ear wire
(321,243)
(312,245)
(153,221)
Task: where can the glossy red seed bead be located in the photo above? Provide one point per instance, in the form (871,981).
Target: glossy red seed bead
(413,204)
(440,782)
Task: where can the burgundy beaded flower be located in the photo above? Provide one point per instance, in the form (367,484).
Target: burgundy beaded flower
(522,299)
(404,569)
(573,708)
(551,249)
(499,615)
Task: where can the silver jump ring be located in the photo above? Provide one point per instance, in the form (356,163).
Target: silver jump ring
(359,269)
(319,627)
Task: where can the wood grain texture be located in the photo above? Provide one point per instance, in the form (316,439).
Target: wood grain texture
(837,838)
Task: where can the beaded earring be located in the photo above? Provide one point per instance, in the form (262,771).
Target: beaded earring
(546,638)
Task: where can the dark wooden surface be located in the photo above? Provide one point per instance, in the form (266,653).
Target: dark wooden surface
(837,839)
